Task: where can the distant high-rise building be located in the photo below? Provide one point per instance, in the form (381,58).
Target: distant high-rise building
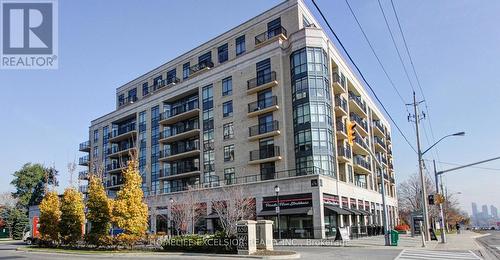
(485,210)
(494,212)
(474,214)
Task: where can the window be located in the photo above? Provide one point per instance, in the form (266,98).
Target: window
(263,69)
(229,153)
(132,95)
(240,45)
(157,82)
(227,108)
(228,131)
(267,171)
(185,70)
(145,89)
(227,86)
(96,136)
(305,22)
(229,176)
(274,27)
(172,76)
(223,53)
(205,58)
(121,99)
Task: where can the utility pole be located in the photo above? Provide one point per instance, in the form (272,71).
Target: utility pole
(441,213)
(417,117)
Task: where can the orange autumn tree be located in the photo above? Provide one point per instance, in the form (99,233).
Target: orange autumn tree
(130,213)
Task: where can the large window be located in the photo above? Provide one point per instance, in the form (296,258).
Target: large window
(227,108)
(222,52)
(185,70)
(171,76)
(145,88)
(240,45)
(96,136)
(228,131)
(229,176)
(227,86)
(229,153)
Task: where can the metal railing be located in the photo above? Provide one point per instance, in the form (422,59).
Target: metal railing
(123,129)
(83,160)
(341,127)
(262,104)
(379,125)
(263,37)
(358,100)
(341,102)
(261,80)
(344,151)
(181,168)
(188,106)
(263,128)
(179,129)
(186,147)
(120,148)
(85,145)
(360,121)
(379,141)
(359,141)
(200,66)
(264,153)
(83,188)
(359,160)
(127,100)
(83,175)
(339,79)
(115,182)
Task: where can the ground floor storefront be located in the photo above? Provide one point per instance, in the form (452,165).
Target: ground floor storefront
(304,208)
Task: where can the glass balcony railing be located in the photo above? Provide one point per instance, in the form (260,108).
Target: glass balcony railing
(341,126)
(119,148)
(84,160)
(378,125)
(344,151)
(265,36)
(358,100)
(263,128)
(115,182)
(122,129)
(261,80)
(262,104)
(183,148)
(379,141)
(85,146)
(180,168)
(339,79)
(361,122)
(179,129)
(264,153)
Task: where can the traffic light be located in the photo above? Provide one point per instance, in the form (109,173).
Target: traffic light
(431,199)
(351,133)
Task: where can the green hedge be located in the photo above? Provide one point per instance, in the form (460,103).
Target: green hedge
(217,244)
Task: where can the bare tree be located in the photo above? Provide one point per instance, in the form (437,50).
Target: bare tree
(410,196)
(7,200)
(231,205)
(71,171)
(190,210)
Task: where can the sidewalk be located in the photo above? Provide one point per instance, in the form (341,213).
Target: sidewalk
(463,241)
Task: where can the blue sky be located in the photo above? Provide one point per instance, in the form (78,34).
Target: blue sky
(104,44)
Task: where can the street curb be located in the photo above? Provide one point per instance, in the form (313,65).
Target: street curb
(293,255)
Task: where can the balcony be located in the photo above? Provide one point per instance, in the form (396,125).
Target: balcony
(83,188)
(265,154)
(339,83)
(263,106)
(362,126)
(270,36)
(361,165)
(379,143)
(388,138)
(189,149)
(183,170)
(381,158)
(114,183)
(122,133)
(359,146)
(127,101)
(357,104)
(84,161)
(344,153)
(179,113)
(116,167)
(85,146)
(341,130)
(183,131)
(262,82)
(83,175)
(267,129)
(199,68)
(117,151)
(378,128)
(340,106)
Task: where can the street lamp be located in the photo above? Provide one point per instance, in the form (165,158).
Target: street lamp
(424,192)
(171,200)
(277,190)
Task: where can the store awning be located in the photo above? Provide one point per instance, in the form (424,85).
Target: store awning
(212,215)
(366,213)
(338,210)
(353,211)
(292,211)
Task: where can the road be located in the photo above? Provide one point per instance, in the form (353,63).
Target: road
(491,243)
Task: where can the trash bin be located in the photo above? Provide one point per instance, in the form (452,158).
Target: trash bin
(394,237)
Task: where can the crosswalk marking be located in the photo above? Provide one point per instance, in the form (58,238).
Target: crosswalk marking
(411,254)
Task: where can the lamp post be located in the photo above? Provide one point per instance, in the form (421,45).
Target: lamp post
(277,190)
(424,196)
(171,200)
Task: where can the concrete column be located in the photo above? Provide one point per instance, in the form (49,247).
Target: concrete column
(153,223)
(247,237)
(210,222)
(265,234)
(318,214)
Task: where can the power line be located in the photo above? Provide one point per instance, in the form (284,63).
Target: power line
(476,167)
(363,77)
(375,54)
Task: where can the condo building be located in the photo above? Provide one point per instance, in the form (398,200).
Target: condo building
(263,105)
